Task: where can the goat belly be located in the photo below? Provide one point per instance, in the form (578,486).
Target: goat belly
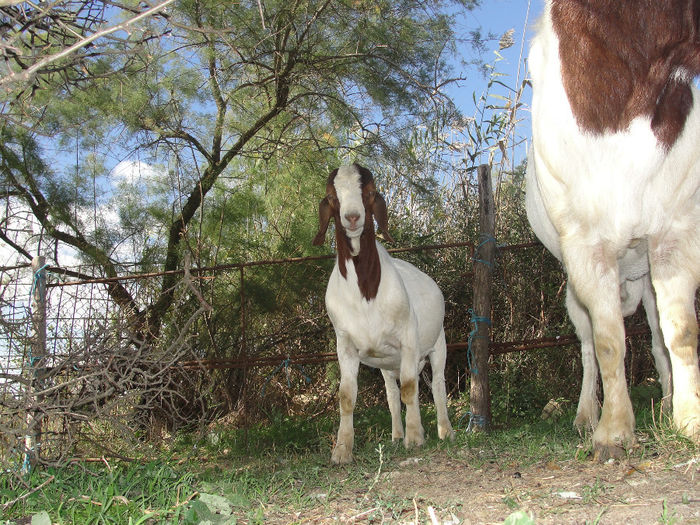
(385,357)
(377,348)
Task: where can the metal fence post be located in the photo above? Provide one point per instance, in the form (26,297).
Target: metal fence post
(36,362)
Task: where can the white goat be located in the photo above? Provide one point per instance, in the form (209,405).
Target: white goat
(635,286)
(616,150)
(386,313)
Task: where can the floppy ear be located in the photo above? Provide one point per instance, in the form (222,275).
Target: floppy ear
(379,212)
(324,217)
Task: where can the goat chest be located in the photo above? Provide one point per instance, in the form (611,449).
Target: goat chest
(404,318)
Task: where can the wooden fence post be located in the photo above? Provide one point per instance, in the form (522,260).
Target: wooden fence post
(36,363)
(479,338)
(243,349)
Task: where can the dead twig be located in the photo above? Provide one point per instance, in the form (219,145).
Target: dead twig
(362,514)
(7,505)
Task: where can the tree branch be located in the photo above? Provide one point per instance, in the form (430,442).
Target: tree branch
(28,73)
(194,201)
(41,210)
(16,247)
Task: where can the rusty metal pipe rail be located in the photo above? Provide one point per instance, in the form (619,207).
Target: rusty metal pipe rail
(86,279)
(495,348)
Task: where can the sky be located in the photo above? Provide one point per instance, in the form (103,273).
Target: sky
(497,17)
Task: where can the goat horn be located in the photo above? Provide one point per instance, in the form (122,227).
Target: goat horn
(380,213)
(324,217)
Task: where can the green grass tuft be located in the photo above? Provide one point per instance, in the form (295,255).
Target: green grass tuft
(251,474)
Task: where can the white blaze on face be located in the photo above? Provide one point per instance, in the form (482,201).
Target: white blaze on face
(348,188)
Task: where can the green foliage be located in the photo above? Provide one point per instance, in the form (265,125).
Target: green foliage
(236,99)
(519,518)
(250,474)
(95,493)
(668,516)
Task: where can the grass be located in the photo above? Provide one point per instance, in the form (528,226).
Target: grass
(275,472)
(593,492)
(668,516)
(103,493)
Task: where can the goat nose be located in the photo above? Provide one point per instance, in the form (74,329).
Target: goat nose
(352,218)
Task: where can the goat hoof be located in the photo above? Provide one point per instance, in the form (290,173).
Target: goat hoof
(585,424)
(612,443)
(602,453)
(341,455)
(689,426)
(446,432)
(414,441)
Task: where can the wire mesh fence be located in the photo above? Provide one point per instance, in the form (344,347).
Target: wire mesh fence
(244,341)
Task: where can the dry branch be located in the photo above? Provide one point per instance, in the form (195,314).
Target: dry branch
(25,76)
(9,504)
(104,382)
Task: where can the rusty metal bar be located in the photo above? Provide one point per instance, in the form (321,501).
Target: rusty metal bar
(233,266)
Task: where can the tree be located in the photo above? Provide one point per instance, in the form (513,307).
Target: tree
(56,43)
(223,85)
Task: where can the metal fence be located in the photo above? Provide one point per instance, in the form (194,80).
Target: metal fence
(240,338)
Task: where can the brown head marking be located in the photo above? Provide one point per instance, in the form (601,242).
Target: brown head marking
(366,261)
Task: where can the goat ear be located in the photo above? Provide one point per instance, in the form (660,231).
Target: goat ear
(380,213)
(324,217)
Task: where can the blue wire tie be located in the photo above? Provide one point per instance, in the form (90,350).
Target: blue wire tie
(475,420)
(487,239)
(39,274)
(475,320)
(285,364)
(26,465)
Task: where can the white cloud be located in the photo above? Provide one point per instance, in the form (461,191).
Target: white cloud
(133,171)
(23,228)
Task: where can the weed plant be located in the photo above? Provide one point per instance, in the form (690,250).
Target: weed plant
(101,492)
(264,473)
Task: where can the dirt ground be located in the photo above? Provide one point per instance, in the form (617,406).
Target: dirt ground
(450,489)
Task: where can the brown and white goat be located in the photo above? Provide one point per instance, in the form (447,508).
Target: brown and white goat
(635,287)
(616,152)
(386,313)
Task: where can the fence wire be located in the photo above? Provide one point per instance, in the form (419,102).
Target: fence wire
(247,340)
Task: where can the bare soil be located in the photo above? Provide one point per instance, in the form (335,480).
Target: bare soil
(458,488)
